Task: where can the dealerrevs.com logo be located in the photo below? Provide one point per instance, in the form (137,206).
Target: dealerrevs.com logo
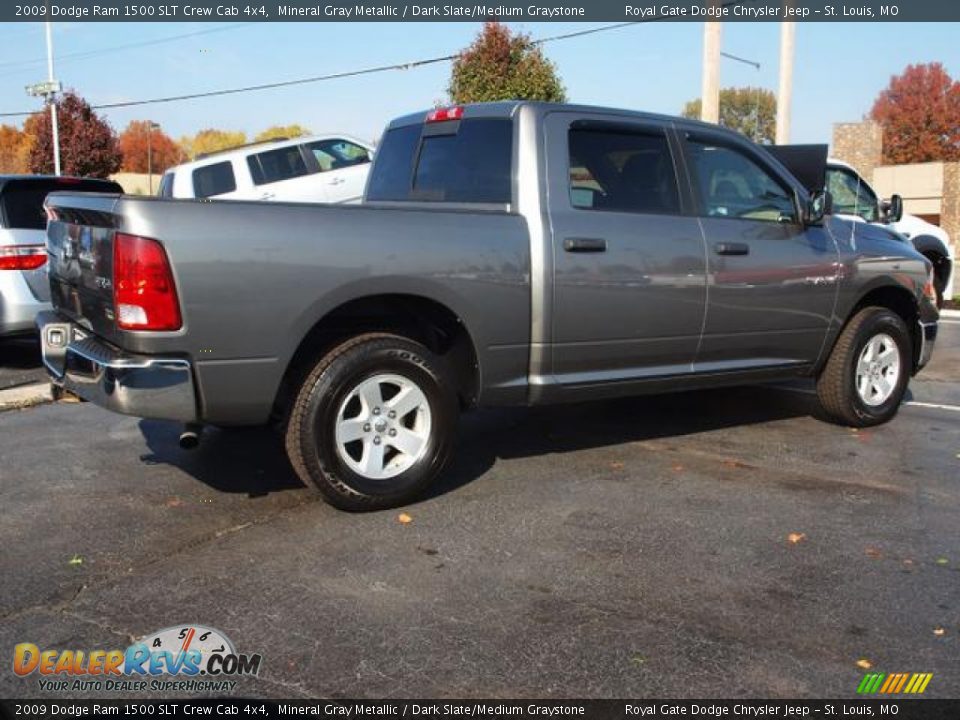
(179,658)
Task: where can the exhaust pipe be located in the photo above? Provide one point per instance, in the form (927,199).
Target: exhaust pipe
(190,436)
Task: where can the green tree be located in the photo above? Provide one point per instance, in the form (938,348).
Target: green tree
(211,140)
(740,109)
(500,65)
(281,131)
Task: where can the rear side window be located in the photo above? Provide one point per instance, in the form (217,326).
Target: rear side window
(276,165)
(622,171)
(21,201)
(211,180)
(470,164)
(337,154)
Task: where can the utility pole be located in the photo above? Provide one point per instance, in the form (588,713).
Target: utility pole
(48,90)
(785,95)
(710,91)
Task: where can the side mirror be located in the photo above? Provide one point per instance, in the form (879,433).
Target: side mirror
(894,209)
(818,206)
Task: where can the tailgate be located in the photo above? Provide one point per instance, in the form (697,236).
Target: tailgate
(80,248)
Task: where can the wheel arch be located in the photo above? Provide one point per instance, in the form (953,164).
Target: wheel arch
(894,297)
(417,317)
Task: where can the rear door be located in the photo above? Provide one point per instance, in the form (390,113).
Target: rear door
(629,258)
(285,173)
(772,281)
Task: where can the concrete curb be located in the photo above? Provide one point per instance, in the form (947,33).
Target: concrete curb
(950,314)
(25,396)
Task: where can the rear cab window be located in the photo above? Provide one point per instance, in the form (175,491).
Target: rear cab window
(454,161)
(213,180)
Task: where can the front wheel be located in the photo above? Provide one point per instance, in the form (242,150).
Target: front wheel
(373,423)
(866,376)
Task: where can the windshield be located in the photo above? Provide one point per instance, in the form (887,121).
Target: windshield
(851,196)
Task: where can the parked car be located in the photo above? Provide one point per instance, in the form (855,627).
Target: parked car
(852,198)
(320,168)
(24,286)
(505,254)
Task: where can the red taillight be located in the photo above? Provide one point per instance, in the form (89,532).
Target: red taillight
(444,114)
(144,296)
(22,257)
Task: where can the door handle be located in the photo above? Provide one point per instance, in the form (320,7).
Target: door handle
(337,181)
(268,196)
(731,248)
(584,245)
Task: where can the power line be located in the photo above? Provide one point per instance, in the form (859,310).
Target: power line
(350,73)
(82,55)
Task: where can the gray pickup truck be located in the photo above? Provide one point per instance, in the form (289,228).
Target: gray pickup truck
(506,254)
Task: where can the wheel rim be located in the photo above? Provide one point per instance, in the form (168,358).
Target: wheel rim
(878,370)
(383,426)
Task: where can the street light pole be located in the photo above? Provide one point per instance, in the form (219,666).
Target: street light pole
(51,99)
(151,126)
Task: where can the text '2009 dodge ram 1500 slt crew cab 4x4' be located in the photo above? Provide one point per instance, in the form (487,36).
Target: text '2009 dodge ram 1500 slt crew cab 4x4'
(506,254)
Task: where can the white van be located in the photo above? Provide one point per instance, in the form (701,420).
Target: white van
(326,169)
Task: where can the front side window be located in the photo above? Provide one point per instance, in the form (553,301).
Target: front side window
(732,185)
(276,165)
(851,196)
(337,154)
(622,171)
(212,180)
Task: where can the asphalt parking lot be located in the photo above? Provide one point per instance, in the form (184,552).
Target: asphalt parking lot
(710,544)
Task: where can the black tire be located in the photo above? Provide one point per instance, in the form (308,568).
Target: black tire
(836,385)
(311,430)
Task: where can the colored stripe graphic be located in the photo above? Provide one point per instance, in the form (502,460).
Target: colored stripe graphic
(894,683)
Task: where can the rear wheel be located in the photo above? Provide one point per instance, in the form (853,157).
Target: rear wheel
(373,423)
(866,376)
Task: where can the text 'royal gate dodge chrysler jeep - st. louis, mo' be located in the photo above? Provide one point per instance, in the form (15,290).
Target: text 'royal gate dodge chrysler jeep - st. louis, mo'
(509,253)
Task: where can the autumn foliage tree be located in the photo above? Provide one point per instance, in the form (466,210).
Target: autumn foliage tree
(501,65)
(211,140)
(88,145)
(919,112)
(282,131)
(749,110)
(145,149)
(14,147)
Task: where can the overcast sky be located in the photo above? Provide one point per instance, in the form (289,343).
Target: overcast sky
(840,68)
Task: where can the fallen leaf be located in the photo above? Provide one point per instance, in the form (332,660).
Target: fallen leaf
(174,502)
(942,561)
(678,468)
(873,552)
(864,663)
(795,538)
(404,519)
(939,631)
(76,560)
(638,659)
(616,465)
(737,464)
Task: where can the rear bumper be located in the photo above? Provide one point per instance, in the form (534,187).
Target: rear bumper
(141,385)
(928,337)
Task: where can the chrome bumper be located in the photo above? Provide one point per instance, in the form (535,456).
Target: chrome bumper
(140,385)
(928,337)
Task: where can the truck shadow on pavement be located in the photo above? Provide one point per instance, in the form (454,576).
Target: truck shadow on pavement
(252,461)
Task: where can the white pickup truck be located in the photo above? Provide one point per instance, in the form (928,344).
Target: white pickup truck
(854,199)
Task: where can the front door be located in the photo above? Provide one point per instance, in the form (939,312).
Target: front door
(628,255)
(772,281)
